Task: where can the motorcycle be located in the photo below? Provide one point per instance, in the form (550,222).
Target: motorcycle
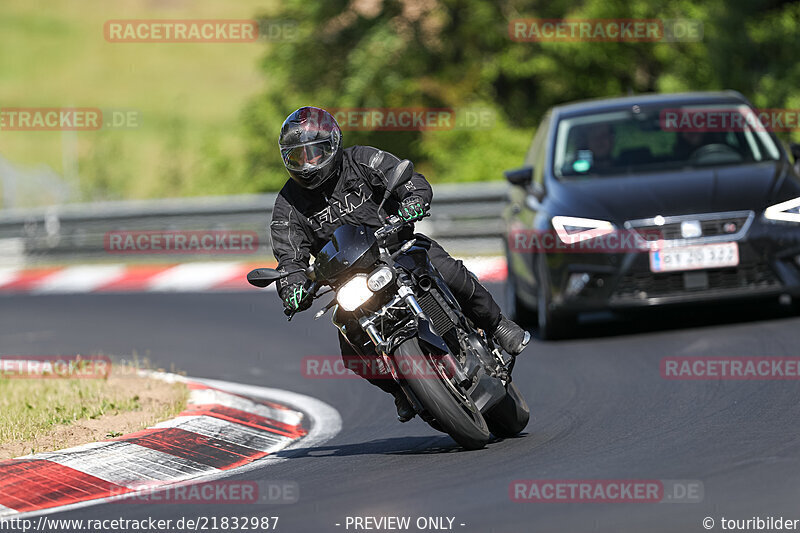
(395,307)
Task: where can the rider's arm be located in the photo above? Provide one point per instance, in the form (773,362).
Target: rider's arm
(290,245)
(381,165)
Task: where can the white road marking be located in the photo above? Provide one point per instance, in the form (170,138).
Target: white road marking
(5,511)
(325,420)
(257,439)
(193,277)
(79,279)
(188,277)
(127,464)
(8,275)
(482,266)
(210,396)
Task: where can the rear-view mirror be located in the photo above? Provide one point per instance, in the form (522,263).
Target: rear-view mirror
(400,175)
(262,277)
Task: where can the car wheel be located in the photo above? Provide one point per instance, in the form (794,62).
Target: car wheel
(552,324)
(516,310)
(795,305)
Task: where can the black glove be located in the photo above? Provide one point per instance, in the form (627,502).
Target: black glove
(295,297)
(412,208)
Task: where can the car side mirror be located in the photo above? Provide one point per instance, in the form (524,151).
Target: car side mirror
(521,177)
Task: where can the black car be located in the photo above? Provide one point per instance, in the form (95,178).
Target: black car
(625,203)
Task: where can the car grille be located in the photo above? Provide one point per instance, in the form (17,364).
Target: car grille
(642,285)
(715,226)
(432,306)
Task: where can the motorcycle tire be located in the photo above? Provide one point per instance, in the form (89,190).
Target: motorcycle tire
(457,415)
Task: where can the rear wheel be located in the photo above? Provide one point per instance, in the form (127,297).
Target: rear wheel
(509,417)
(449,404)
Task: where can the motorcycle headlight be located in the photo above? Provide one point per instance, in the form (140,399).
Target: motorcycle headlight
(379,279)
(788,211)
(354,293)
(573,230)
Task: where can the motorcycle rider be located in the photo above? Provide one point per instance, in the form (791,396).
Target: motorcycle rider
(331,186)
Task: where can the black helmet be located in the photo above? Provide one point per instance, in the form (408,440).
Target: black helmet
(311,146)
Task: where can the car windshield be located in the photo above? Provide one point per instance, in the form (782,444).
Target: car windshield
(659,139)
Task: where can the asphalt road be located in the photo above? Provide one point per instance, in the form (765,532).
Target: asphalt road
(600,411)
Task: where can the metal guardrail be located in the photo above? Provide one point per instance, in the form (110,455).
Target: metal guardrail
(465,219)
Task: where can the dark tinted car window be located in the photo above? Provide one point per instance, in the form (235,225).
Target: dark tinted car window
(624,142)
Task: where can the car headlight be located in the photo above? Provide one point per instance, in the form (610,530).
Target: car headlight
(788,211)
(379,279)
(573,230)
(354,293)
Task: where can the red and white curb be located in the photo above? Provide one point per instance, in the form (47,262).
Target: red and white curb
(226,427)
(188,277)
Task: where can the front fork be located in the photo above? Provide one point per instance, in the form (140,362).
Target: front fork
(421,328)
(382,346)
(368,323)
(405,294)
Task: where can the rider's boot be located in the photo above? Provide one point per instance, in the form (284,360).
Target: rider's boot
(510,336)
(405,411)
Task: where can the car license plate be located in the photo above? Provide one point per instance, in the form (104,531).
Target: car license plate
(718,255)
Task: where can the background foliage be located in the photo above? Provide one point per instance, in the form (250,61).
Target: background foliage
(452,53)
(214,131)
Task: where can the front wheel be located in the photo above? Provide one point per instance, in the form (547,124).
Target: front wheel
(552,324)
(516,309)
(452,408)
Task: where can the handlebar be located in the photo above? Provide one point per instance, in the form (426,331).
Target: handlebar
(395,224)
(312,293)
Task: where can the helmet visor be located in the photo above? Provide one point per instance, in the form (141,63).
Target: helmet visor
(308,156)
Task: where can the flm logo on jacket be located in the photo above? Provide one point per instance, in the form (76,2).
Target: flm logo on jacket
(352,201)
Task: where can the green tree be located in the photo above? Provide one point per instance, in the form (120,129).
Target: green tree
(458,53)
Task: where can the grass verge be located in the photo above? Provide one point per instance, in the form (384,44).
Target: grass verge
(38,415)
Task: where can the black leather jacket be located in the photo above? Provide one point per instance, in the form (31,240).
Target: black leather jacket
(303,220)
